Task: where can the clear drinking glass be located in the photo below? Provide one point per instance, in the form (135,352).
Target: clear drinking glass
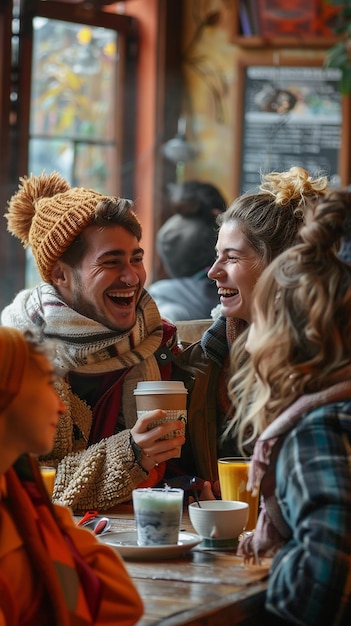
(233,477)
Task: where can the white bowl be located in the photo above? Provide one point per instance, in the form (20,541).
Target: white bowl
(219,519)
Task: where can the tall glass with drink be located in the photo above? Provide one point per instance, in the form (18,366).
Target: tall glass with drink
(233,477)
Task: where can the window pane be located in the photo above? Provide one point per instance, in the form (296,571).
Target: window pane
(72,108)
(73,105)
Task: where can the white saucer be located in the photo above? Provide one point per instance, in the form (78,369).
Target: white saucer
(126,544)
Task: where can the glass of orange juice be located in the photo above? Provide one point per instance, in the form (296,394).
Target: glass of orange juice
(233,477)
(48,475)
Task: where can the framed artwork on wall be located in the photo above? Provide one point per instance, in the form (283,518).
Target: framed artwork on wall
(291,114)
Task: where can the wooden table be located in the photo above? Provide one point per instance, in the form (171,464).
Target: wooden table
(202,587)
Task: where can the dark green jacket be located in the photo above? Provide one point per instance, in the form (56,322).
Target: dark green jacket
(200,375)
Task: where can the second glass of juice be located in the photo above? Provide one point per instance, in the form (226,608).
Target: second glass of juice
(233,477)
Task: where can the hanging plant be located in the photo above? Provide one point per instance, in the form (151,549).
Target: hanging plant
(339,55)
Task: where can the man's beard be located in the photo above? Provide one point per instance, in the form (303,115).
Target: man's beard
(82,306)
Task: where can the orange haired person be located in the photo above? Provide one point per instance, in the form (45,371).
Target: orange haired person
(51,572)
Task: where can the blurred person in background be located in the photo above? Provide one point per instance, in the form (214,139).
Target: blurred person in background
(186,246)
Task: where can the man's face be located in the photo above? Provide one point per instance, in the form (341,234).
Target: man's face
(107,284)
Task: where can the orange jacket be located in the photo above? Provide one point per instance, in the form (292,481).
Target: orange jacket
(39,543)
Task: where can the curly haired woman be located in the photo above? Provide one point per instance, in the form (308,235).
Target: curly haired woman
(295,402)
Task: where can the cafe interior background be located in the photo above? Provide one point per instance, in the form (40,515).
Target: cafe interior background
(127,97)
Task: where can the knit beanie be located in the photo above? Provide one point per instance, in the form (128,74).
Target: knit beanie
(14,360)
(186,245)
(47,214)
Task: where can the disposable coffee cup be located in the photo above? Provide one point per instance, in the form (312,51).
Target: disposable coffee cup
(168,395)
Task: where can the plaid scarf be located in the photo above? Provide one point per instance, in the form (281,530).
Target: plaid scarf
(272,531)
(218,339)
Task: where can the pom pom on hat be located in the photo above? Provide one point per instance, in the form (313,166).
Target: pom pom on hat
(14,360)
(47,214)
(22,204)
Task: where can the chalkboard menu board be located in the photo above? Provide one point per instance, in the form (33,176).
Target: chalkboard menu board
(291,116)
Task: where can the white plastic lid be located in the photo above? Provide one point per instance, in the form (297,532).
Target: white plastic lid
(160,387)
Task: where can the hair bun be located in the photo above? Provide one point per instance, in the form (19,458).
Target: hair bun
(294,186)
(330,222)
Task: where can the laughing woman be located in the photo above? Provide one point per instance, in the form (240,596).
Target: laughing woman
(252,232)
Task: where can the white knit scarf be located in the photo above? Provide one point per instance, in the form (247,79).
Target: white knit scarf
(85,345)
